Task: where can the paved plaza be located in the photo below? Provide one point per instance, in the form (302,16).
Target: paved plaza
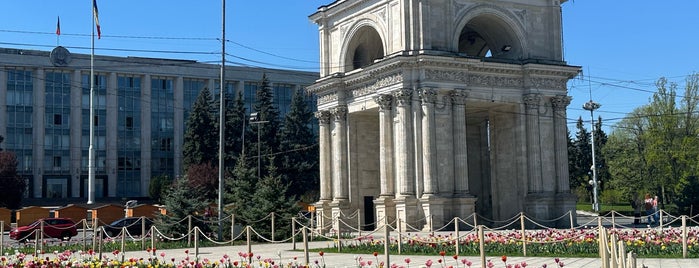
(285,253)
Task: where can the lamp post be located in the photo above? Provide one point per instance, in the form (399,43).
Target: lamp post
(592,106)
(255,120)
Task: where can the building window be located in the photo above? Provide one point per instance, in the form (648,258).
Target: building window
(56,161)
(129,122)
(57,119)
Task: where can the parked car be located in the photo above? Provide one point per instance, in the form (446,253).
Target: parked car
(63,228)
(133,226)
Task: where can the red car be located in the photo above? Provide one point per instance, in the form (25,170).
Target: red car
(63,228)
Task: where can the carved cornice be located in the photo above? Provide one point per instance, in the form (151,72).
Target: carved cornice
(532,100)
(439,75)
(403,96)
(327,98)
(428,96)
(384,101)
(340,113)
(323,117)
(560,103)
(380,83)
(549,83)
(495,81)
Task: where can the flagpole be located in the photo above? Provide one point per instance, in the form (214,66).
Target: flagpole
(91,153)
(222,126)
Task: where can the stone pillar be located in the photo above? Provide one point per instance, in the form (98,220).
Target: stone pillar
(39,129)
(146,118)
(340,203)
(565,200)
(3,105)
(406,203)
(458,100)
(178,128)
(325,156)
(429,142)
(76,127)
(112,129)
(531,102)
(385,207)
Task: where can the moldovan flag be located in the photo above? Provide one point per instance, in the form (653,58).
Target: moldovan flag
(58,26)
(97,19)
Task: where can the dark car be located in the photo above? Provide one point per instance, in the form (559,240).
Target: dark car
(63,228)
(133,226)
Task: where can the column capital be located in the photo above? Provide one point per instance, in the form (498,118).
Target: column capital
(340,112)
(560,102)
(385,102)
(458,97)
(532,100)
(323,117)
(428,95)
(403,96)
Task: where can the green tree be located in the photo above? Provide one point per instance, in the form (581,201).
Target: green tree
(200,138)
(600,158)
(300,155)
(240,186)
(269,131)
(236,127)
(204,177)
(157,186)
(580,160)
(11,185)
(180,200)
(270,196)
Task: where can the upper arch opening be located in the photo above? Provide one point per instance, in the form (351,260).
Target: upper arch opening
(488,36)
(364,48)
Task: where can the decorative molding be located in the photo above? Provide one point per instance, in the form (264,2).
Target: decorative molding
(332,97)
(560,102)
(549,83)
(380,83)
(384,101)
(340,113)
(457,76)
(323,117)
(532,100)
(403,96)
(495,81)
(428,96)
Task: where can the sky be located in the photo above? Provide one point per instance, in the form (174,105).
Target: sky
(622,46)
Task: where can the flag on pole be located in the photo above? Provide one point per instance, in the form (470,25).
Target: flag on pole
(97,20)
(58,26)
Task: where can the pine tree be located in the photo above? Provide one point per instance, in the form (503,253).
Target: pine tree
(271,196)
(580,172)
(240,186)
(236,127)
(300,158)
(269,131)
(11,185)
(157,186)
(600,158)
(180,200)
(201,137)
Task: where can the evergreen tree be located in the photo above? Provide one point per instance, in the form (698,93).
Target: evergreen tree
(300,157)
(11,185)
(236,127)
(201,137)
(269,131)
(581,158)
(271,196)
(600,158)
(241,186)
(180,200)
(157,187)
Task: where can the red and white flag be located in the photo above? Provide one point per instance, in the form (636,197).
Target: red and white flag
(97,20)
(58,26)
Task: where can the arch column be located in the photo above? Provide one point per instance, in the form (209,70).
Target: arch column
(340,204)
(531,101)
(464,204)
(564,199)
(385,207)
(406,203)
(432,200)
(325,158)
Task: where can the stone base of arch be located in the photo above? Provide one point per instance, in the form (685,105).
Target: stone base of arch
(436,210)
(323,216)
(385,211)
(339,209)
(407,211)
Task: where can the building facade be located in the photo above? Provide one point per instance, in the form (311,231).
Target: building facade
(141,107)
(430,110)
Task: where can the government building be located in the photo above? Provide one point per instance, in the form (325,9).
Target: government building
(141,108)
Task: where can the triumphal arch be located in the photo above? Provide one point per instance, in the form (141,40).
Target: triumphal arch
(434,109)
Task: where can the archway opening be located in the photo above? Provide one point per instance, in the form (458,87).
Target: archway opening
(487,36)
(364,48)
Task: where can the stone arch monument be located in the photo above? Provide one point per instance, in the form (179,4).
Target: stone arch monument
(430,110)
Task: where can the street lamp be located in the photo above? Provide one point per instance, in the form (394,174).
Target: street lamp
(592,106)
(255,120)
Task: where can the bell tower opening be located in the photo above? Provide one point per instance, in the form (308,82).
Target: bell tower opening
(364,48)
